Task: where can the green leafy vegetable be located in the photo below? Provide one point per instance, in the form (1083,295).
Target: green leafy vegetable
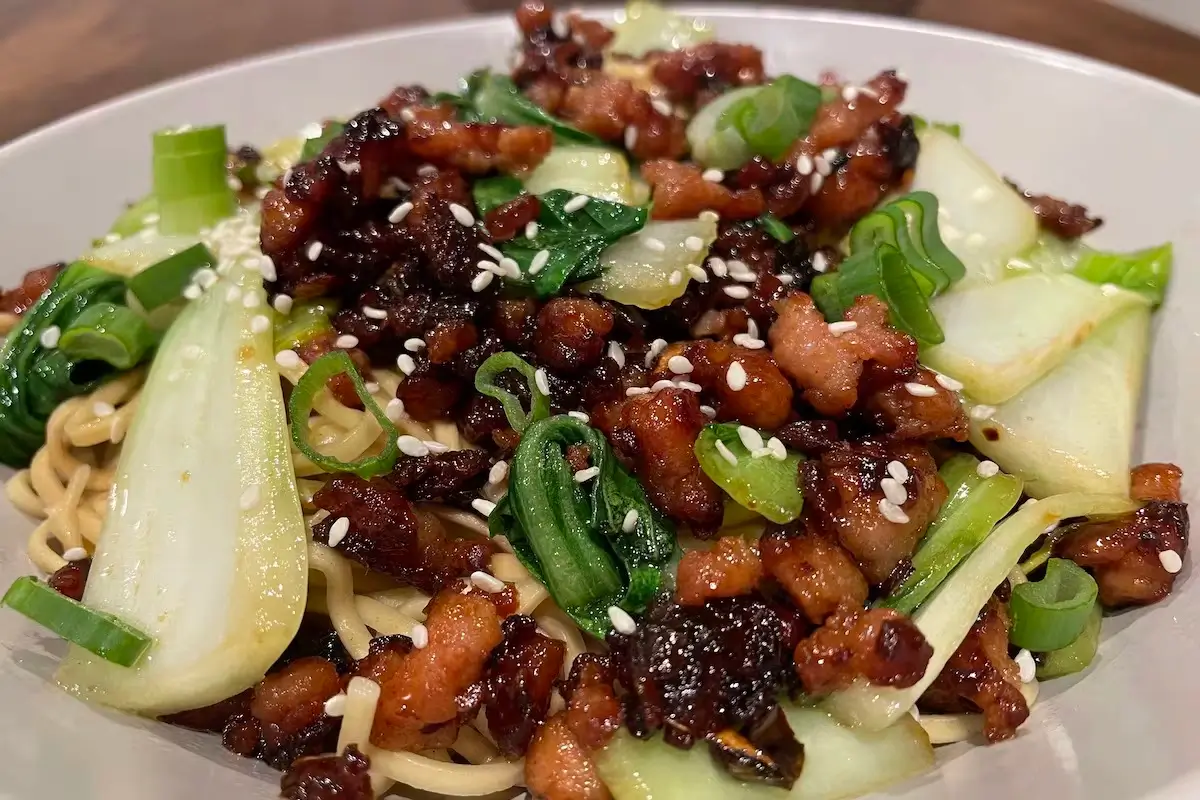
(190,180)
(1146,272)
(107,332)
(305,322)
(313,147)
(301,404)
(770,120)
(952,128)
(102,634)
(759,480)
(973,506)
(1051,613)
(594,544)
(1076,656)
(491,193)
(573,240)
(164,282)
(776,228)
(485,383)
(495,98)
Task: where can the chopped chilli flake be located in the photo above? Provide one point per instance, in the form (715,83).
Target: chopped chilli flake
(481,281)
(679,365)
(491,251)
(575,203)
(844,326)
(634,391)
(412,446)
(656,349)
(400,212)
(419,636)
(542,380)
(260,324)
(919,389)
(49,337)
(892,512)
(777,448)
(579,415)
(735,376)
(488,583)
(737,292)
(531,229)
(414,345)
(617,353)
(288,359)
(1026,665)
(820,262)
(982,412)
(585,475)
(697,272)
(726,453)
(371,312)
(898,471)
(336,705)
(462,215)
(538,261)
(714,175)
(630,521)
(675,278)
(314,251)
(621,621)
(804,164)
(785,279)
(394,409)
(346,341)
(338,531)
(708,411)
(283,303)
(406,364)
(75,554)
(498,472)
(987,469)
(893,491)
(751,438)
(655,244)
(948,383)
(1170,561)
(718,267)
(103,409)
(694,243)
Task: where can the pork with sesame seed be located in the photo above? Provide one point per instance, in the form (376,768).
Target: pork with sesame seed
(844,119)
(881,646)
(1058,217)
(764,402)
(454,478)
(816,572)
(905,416)
(730,569)
(874,165)
(570,333)
(696,75)
(680,192)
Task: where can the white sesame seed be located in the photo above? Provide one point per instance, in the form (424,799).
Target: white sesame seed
(75,554)
(346,341)
(737,292)
(192,292)
(419,636)
(777,448)
(426,170)
(487,582)
(576,203)
(348,167)
(621,621)
(785,279)
(919,389)
(314,250)
(400,212)
(697,272)
(662,384)
(250,497)
(654,244)
(898,471)
(751,438)
(205,277)
(283,303)
(735,376)
(288,359)
(982,412)
(490,266)
(656,349)
(714,175)
(310,131)
(631,135)
(436,447)
(408,115)
(892,512)
(336,705)
(102,409)
(251,299)
(736,266)
(490,250)
(982,194)
(978,240)
(617,353)
(531,229)
(412,446)
(708,411)
(414,345)
(498,472)
(708,215)
(1109,289)
(662,106)
(233,294)
(1031,501)
(689,386)
(394,409)
(761,452)
(844,326)
(338,531)
(630,522)
(579,415)
(538,261)
(679,365)
(820,262)
(675,278)
(542,380)
(745,277)
(893,491)
(266,268)
(749,342)
(948,383)
(850,94)
(259,324)
(462,215)
(822,165)
(694,243)
(50,336)
(585,475)
(371,387)
(814,183)
(829,153)
(370,312)
(1170,561)
(752,327)
(481,281)
(510,267)
(987,469)
(634,391)
(804,164)
(1026,666)
(718,266)
(406,364)
(726,453)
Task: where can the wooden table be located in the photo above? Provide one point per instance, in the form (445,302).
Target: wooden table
(58,56)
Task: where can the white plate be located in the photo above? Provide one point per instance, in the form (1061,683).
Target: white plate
(1121,143)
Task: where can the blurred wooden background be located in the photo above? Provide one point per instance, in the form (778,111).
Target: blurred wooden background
(58,56)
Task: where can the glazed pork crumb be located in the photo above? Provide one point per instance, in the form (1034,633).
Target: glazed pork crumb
(696,75)
(905,416)
(594,712)
(842,121)
(881,646)
(730,569)
(70,579)
(33,285)
(764,402)
(1156,482)
(817,573)
(1063,219)
(330,776)
(455,477)
(558,768)
(680,192)
(570,334)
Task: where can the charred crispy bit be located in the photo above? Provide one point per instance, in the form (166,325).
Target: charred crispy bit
(316,637)
(657,433)
(1059,217)
(570,333)
(1135,558)
(452,477)
(980,676)
(548,59)
(843,499)
(329,777)
(33,285)
(818,574)
(769,754)
(880,645)
(695,75)
(1156,482)
(870,167)
(69,580)
(419,688)
(509,220)
(593,711)
(286,717)
(430,395)
(476,148)
(386,535)
(785,187)
(517,684)
(749,243)
(905,416)
(810,436)
(845,119)
(730,569)
(828,366)
(212,718)
(766,399)
(558,768)
(680,192)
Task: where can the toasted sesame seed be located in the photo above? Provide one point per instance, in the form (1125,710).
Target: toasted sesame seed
(785,279)
(829,153)
(843,326)
(1026,666)
(490,266)
(579,415)
(726,453)
(346,341)
(371,387)
(631,135)
(538,261)
(777,448)
(680,365)
(510,267)
(982,412)
(398,213)
(427,170)
(412,446)
(406,364)
(822,165)
(662,106)
(314,250)
(49,337)
(749,342)
(1170,561)
(745,277)
(634,391)
(948,383)
(689,386)
(987,469)
(531,229)
(490,250)
(708,215)
(394,409)
(804,164)
(919,389)
(718,266)
(659,385)
(462,215)
(714,175)
(266,268)
(259,324)
(192,292)
(898,471)
(735,376)
(288,359)
(336,705)
(542,380)
(487,582)
(656,349)
(697,272)
(585,475)
(419,635)
(820,262)
(708,411)
(654,244)
(283,303)
(75,554)
(630,521)
(694,243)
(621,621)
(893,491)
(498,472)
(481,281)
(814,183)
(892,512)
(576,203)
(617,353)
(675,278)
(751,438)
(737,292)
(414,345)
(370,312)
(338,531)
(850,94)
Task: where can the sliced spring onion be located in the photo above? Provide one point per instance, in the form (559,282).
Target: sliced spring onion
(758,481)
(770,120)
(95,631)
(909,224)
(313,147)
(1078,655)
(776,228)
(116,335)
(884,273)
(491,193)
(300,406)
(1051,613)
(164,282)
(306,321)
(973,507)
(190,179)
(1146,272)
(714,145)
(485,383)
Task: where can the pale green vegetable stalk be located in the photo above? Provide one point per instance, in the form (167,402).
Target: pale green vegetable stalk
(204,548)
(946,617)
(639,274)
(595,171)
(646,26)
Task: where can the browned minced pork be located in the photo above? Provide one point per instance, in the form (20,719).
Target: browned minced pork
(812,437)
(869,168)
(435,135)
(980,676)
(558,768)
(657,433)
(418,688)
(880,645)
(1067,220)
(817,573)
(69,580)
(33,285)
(680,192)
(841,121)
(607,107)
(906,416)
(1155,482)
(330,776)
(730,569)
(696,75)
(571,332)
(827,366)
(385,534)
(593,710)
(454,477)
(842,499)
(766,399)
(1126,554)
